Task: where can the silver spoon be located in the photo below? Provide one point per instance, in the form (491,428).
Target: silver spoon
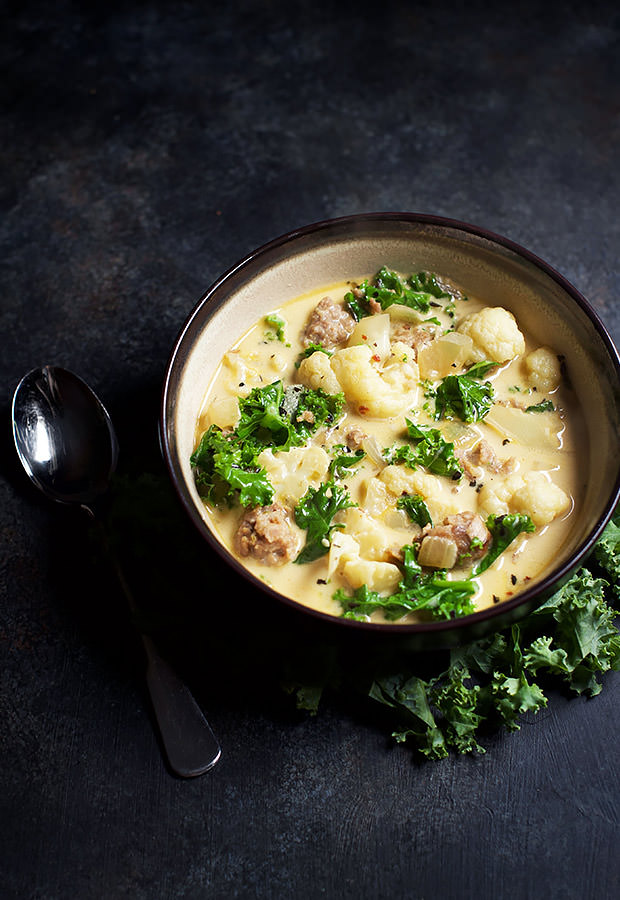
(66,442)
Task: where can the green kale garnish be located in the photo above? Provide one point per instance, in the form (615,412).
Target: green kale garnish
(278,324)
(279,418)
(433,593)
(227,471)
(344,460)
(607,551)
(416,508)
(480,369)
(431,450)
(504,529)
(543,406)
(388,288)
(490,682)
(315,512)
(464,398)
(309,350)
(226,466)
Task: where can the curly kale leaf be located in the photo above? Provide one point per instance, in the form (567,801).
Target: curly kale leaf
(343,461)
(543,406)
(315,512)
(274,417)
(504,529)
(388,288)
(463,397)
(433,593)
(607,552)
(431,450)
(416,509)
(480,369)
(580,638)
(227,472)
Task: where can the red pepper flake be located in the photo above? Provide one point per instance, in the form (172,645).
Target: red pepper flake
(364,337)
(376,358)
(363,410)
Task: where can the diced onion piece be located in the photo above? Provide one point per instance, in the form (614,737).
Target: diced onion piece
(460,435)
(224,412)
(444,354)
(438,552)
(375,332)
(400,312)
(399,520)
(370,446)
(342,547)
(377,498)
(531,429)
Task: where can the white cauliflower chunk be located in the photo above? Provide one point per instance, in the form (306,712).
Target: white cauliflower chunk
(375,392)
(540,499)
(344,557)
(532,494)
(435,491)
(316,372)
(375,540)
(543,369)
(242,375)
(293,472)
(382,577)
(495,334)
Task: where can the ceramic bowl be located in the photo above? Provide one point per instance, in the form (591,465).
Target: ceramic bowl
(481,263)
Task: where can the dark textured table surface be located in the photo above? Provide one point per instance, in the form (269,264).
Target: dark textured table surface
(145,148)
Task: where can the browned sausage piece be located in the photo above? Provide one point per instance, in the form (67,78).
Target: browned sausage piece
(354,437)
(483,455)
(464,528)
(330,324)
(265,534)
(412,335)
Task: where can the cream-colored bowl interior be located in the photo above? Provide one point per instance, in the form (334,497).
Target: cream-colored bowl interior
(488,270)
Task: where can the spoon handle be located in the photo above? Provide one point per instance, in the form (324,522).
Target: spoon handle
(190,745)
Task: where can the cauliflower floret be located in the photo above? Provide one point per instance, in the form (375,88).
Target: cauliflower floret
(540,499)
(292,473)
(435,491)
(344,558)
(531,494)
(543,369)
(243,377)
(495,334)
(375,540)
(379,576)
(375,392)
(495,496)
(315,372)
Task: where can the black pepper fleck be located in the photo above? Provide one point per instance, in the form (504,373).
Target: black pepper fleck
(513,579)
(495,598)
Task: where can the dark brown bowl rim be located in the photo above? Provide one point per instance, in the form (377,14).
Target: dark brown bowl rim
(528,599)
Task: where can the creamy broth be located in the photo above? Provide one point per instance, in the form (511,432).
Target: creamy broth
(533,461)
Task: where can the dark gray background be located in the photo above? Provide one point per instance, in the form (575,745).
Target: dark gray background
(145,148)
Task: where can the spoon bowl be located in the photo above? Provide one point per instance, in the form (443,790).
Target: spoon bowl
(64,436)
(68,447)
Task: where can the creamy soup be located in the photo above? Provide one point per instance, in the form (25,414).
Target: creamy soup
(390,449)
